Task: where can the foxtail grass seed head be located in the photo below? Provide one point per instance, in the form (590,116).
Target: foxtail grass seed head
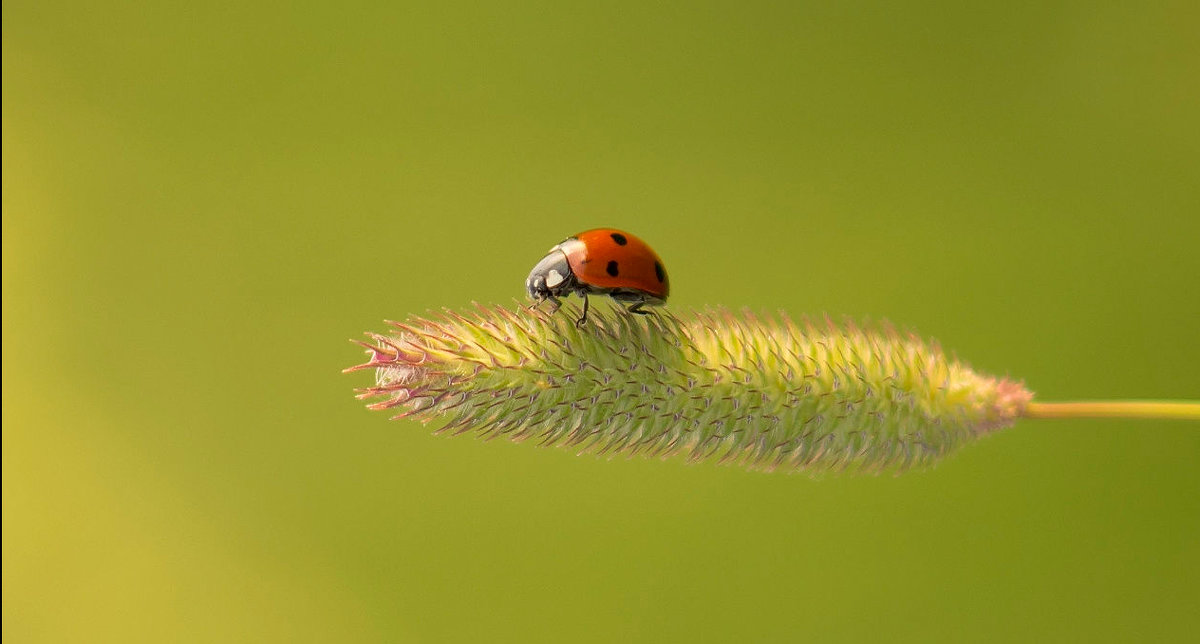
(763,392)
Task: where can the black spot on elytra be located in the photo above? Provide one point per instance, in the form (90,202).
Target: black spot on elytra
(659,272)
(620,239)
(612,269)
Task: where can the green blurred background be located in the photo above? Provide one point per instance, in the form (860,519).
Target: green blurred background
(203,201)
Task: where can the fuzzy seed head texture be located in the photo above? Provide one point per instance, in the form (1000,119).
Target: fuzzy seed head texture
(764,392)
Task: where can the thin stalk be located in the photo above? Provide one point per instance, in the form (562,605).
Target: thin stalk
(1157,409)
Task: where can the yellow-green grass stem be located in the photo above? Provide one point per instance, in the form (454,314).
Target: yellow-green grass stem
(1147,409)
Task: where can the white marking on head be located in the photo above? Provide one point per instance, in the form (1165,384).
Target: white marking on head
(554,279)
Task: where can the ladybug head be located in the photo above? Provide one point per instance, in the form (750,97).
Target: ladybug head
(551,277)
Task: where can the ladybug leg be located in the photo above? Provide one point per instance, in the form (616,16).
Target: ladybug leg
(583,318)
(636,307)
(553,301)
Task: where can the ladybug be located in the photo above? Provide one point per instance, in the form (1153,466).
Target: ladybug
(604,261)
